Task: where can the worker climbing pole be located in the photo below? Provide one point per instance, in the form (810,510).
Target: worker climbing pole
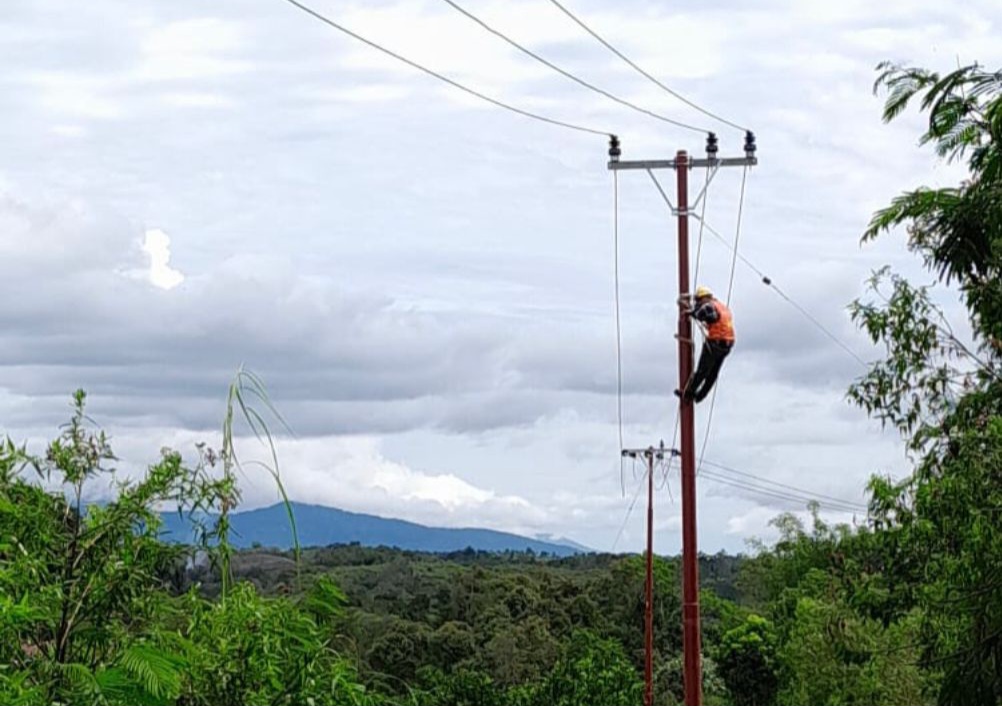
(718,339)
(681,164)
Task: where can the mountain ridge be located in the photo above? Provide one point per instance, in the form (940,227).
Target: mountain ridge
(321,525)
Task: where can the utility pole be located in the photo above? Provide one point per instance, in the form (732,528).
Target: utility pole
(649,454)
(690,567)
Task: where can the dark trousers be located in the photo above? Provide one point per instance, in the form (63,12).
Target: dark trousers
(711,359)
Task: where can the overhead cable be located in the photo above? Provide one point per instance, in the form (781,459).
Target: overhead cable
(619,330)
(629,510)
(572,77)
(777,494)
(721,468)
(494,101)
(648,76)
(766,280)
(730,292)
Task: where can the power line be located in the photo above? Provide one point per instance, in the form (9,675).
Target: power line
(663,465)
(783,491)
(658,83)
(777,494)
(819,325)
(571,76)
(784,486)
(730,291)
(810,495)
(737,233)
(699,239)
(619,334)
(667,468)
(629,510)
(766,280)
(446,79)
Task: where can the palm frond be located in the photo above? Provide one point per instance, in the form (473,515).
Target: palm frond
(909,206)
(158,672)
(902,85)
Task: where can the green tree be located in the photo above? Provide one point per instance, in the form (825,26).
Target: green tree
(590,670)
(462,687)
(521,653)
(619,596)
(941,525)
(245,649)
(400,650)
(747,661)
(83,584)
(834,656)
(88,611)
(452,643)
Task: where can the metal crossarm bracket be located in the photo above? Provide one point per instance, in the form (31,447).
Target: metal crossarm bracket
(691,163)
(706,186)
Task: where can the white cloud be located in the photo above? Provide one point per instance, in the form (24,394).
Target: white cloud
(363,94)
(437,279)
(69,131)
(161,274)
(352,473)
(193,49)
(196,100)
(73,94)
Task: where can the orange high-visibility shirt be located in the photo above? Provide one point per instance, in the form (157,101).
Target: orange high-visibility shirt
(719,321)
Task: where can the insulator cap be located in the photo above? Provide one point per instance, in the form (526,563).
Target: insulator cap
(711,145)
(614,150)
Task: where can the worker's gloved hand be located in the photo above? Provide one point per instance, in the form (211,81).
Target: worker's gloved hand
(685,301)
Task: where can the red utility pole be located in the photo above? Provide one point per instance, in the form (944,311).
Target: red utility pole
(649,590)
(649,454)
(692,668)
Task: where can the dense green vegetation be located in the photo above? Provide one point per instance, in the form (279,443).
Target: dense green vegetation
(459,626)
(91,606)
(905,609)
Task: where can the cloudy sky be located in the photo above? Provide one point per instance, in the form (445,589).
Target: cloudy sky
(424,281)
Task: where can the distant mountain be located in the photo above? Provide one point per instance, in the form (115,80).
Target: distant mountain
(320,526)
(564,541)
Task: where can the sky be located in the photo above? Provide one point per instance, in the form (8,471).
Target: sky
(424,281)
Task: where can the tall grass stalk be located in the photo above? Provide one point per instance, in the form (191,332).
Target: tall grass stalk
(246,392)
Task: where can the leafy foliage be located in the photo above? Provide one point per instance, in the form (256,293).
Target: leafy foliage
(90,610)
(591,670)
(75,575)
(747,659)
(251,650)
(939,529)
(150,623)
(957,230)
(834,656)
